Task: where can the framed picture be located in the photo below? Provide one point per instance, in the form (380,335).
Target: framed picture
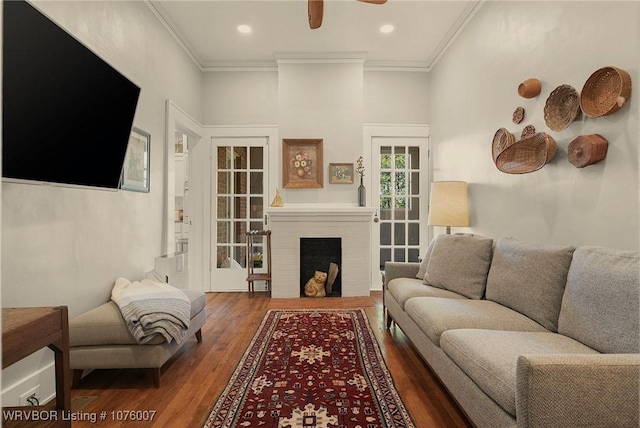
(302,164)
(135,171)
(341,173)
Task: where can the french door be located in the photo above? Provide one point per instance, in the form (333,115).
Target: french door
(239,198)
(400,180)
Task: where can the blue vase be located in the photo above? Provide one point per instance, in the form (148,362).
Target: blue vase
(362,195)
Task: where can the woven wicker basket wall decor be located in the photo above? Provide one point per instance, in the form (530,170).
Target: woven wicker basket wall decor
(562,107)
(586,150)
(605,92)
(501,140)
(527,155)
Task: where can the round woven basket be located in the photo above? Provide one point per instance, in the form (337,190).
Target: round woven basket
(562,107)
(586,150)
(605,92)
(527,155)
(501,140)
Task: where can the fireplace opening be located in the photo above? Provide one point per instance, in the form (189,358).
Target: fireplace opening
(321,255)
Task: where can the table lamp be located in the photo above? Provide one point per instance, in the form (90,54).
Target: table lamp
(448,204)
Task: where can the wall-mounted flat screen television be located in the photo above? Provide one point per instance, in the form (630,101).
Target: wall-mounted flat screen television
(67,114)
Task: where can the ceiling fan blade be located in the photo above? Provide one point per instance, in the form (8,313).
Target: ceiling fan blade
(315,10)
(374,1)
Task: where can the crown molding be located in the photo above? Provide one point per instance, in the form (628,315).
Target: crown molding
(320,57)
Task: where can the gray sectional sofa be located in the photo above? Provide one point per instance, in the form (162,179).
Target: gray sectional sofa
(524,334)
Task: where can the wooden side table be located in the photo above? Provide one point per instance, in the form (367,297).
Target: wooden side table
(26,330)
(251,274)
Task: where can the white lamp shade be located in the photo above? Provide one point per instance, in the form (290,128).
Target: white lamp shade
(448,204)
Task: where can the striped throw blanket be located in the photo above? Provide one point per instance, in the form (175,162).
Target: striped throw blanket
(152,308)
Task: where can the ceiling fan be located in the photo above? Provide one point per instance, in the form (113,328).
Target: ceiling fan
(316,8)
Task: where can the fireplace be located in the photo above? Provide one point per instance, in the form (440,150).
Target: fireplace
(318,254)
(295,221)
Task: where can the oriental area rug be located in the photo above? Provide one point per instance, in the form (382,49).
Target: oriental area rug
(311,369)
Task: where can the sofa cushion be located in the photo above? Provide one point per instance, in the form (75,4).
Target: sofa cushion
(490,357)
(600,303)
(460,263)
(434,316)
(403,289)
(529,278)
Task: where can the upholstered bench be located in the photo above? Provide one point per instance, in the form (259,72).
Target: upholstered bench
(100,339)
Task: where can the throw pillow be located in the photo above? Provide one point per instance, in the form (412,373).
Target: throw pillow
(530,278)
(425,261)
(460,263)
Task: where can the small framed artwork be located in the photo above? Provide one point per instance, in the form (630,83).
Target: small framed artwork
(302,163)
(341,173)
(135,170)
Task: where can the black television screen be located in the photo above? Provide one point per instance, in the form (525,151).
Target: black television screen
(67,114)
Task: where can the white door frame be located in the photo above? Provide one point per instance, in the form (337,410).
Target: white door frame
(205,213)
(370,133)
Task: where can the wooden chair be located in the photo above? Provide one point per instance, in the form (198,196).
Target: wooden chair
(251,274)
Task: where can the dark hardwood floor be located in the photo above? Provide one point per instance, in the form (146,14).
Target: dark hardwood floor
(194,378)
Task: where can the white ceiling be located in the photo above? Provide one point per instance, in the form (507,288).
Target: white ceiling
(207,30)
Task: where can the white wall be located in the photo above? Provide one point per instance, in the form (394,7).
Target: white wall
(318,100)
(473,93)
(66,246)
(396,97)
(240,97)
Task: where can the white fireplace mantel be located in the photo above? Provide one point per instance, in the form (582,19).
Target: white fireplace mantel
(350,223)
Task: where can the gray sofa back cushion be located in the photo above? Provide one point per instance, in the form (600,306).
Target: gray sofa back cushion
(425,261)
(529,278)
(460,263)
(600,303)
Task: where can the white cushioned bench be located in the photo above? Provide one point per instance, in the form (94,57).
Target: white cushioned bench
(100,339)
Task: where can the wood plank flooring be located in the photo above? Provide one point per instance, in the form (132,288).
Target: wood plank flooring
(194,378)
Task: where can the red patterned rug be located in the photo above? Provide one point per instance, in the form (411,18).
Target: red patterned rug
(311,369)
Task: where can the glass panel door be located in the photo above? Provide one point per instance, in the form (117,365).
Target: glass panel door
(240,195)
(401,176)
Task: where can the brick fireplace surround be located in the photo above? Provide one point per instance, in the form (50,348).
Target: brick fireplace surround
(292,222)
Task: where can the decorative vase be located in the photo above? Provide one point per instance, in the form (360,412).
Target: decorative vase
(362,194)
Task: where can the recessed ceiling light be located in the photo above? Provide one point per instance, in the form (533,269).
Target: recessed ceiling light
(386,29)
(244,29)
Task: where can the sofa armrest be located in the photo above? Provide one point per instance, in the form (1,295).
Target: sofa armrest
(399,270)
(578,390)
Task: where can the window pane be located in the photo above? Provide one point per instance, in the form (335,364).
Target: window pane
(401,183)
(401,202)
(414,155)
(257,256)
(385,209)
(414,209)
(240,157)
(256,225)
(255,186)
(256,207)
(224,207)
(385,256)
(224,183)
(414,184)
(223,253)
(400,213)
(398,255)
(398,234)
(414,233)
(240,185)
(240,255)
(385,234)
(224,157)
(385,157)
(224,231)
(255,158)
(413,255)
(240,232)
(240,207)
(385,183)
